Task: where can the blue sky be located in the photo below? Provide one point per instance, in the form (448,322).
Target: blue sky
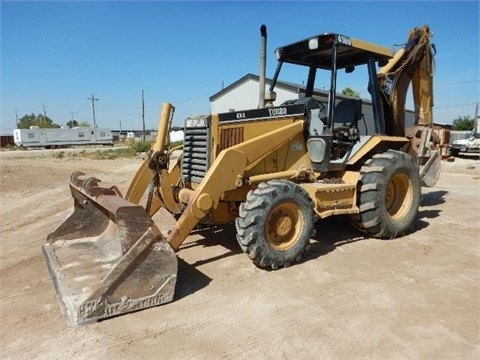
(57,54)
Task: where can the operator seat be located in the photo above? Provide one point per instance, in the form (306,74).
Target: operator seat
(346,114)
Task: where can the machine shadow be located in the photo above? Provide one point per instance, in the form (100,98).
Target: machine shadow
(224,235)
(431,199)
(196,280)
(210,236)
(331,233)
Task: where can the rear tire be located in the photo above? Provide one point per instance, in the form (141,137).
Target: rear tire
(388,195)
(275,224)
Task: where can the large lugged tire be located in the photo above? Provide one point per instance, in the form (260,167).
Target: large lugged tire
(388,195)
(276,223)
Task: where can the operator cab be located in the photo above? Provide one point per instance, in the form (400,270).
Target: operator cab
(333,127)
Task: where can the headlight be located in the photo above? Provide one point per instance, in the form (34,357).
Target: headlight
(313,44)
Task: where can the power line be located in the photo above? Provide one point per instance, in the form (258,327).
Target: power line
(458,83)
(196,96)
(453,106)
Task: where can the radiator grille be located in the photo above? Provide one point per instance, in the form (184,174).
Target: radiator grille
(196,152)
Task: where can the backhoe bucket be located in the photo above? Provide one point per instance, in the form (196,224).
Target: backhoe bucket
(430,172)
(108,258)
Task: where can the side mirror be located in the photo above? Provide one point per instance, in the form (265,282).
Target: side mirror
(349,69)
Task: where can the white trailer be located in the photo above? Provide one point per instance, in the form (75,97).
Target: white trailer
(53,138)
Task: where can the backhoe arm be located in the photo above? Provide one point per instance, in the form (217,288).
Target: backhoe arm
(226,173)
(411,64)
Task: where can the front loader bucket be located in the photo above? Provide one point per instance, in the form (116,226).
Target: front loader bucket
(108,258)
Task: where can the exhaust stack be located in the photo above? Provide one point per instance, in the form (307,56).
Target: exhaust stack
(263,65)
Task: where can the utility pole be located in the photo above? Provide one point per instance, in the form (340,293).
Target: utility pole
(476,122)
(143,115)
(16,119)
(44,115)
(93,99)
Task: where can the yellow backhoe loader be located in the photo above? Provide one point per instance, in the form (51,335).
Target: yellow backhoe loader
(273,170)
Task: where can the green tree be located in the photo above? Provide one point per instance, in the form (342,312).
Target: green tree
(72,123)
(84,124)
(41,121)
(350,92)
(463,123)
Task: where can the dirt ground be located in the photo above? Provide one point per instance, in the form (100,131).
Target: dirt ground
(351,297)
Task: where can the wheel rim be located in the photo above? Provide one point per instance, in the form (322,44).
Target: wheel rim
(284,226)
(399,196)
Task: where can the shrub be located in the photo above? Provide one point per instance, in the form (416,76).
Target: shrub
(104,155)
(59,155)
(141,146)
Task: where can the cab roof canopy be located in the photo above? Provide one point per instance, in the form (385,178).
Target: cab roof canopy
(317,51)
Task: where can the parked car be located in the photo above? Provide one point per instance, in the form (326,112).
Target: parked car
(472,144)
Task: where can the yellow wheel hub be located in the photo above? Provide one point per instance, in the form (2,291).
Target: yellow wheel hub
(399,196)
(284,226)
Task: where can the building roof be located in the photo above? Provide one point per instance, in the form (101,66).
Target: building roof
(297,88)
(280,84)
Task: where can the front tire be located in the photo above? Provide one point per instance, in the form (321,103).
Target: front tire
(388,195)
(275,224)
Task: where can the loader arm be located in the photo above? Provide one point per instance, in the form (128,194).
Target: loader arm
(154,174)
(226,173)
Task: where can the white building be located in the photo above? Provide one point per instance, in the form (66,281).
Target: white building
(243,94)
